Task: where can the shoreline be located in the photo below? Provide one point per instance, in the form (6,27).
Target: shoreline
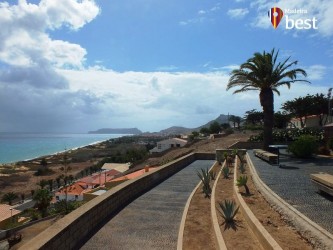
(50,155)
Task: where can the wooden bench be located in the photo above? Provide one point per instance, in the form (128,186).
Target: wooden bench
(265,155)
(324,182)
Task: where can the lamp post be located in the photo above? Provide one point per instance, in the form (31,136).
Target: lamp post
(11,214)
(329,94)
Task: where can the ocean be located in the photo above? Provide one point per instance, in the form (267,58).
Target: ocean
(23,146)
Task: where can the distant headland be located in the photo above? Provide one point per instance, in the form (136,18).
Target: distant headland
(133,131)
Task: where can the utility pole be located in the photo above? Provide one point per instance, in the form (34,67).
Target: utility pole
(329,104)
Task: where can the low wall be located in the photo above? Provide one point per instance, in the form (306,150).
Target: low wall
(247,145)
(72,231)
(220,153)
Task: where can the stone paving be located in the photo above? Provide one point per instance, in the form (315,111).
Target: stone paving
(151,221)
(293,184)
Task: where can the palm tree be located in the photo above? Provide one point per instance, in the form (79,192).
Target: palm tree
(43,198)
(264,73)
(9,197)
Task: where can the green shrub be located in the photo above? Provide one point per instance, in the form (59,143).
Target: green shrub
(304,146)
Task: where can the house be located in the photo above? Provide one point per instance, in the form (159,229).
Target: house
(7,213)
(167,144)
(120,167)
(76,190)
(134,175)
(98,179)
(309,121)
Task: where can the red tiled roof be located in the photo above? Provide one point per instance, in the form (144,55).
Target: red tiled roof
(99,178)
(74,189)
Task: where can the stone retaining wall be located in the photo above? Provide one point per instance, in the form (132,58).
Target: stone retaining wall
(72,231)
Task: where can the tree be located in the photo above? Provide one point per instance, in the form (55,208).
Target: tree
(215,127)
(43,198)
(281,119)
(9,197)
(42,183)
(254,117)
(302,107)
(50,182)
(264,73)
(235,120)
(43,162)
(58,180)
(204,131)
(65,168)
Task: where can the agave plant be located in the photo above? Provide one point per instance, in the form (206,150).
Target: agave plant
(242,181)
(241,156)
(242,167)
(226,172)
(212,175)
(205,179)
(229,210)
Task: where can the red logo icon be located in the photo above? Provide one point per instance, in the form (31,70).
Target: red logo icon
(275,14)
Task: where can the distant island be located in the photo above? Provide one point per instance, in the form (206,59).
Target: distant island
(133,131)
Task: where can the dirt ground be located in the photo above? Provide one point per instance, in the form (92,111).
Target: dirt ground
(238,235)
(286,236)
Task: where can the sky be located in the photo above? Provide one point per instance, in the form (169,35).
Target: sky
(76,66)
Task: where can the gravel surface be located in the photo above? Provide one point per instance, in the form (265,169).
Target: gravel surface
(151,221)
(292,183)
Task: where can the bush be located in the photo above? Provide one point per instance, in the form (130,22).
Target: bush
(304,146)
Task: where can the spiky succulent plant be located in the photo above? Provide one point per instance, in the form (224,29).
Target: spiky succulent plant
(228,210)
(205,178)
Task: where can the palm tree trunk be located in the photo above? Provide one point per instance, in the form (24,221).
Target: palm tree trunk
(267,103)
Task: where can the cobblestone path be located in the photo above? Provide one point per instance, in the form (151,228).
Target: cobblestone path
(151,221)
(293,184)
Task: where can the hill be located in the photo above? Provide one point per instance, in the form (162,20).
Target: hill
(182,130)
(133,131)
(221,119)
(176,130)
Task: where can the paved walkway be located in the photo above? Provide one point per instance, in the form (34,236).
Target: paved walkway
(292,183)
(151,221)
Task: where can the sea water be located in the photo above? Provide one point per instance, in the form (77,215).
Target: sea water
(22,146)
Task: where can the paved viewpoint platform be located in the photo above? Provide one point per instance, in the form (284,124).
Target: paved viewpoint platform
(152,220)
(292,183)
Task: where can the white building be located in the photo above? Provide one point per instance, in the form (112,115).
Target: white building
(309,121)
(167,144)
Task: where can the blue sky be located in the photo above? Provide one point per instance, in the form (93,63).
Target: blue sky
(74,66)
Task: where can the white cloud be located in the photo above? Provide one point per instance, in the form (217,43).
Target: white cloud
(167,68)
(202,16)
(322,10)
(23,35)
(316,72)
(238,13)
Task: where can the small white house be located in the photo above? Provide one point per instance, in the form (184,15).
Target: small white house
(309,121)
(167,144)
